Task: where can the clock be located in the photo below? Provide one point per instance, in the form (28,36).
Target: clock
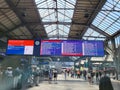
(37,43)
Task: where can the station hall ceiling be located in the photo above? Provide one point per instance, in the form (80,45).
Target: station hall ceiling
(59,19)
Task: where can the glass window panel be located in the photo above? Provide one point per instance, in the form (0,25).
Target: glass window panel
(89,31)
(61,17)
(93,35)
(52,33)
(113,16)
(46,26)
(117,7)
(116,24)
(117,13)
(95,23)
(43,4)
(85,38)
(101,15)
(106,7)
(108,4)
(102,27)
(105,24)
(99,19)
(62,33)
(63,3)
(49,29)
(111,22)
(54,27)
(66,29)
(106,20)
(91,38)
(105,12)
(118,20)
(113,27)
(111,30)
(50,15)
(117,41)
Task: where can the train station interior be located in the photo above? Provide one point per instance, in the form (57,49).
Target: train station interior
(59,44)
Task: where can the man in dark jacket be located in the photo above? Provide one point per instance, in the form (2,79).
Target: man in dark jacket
(105,83)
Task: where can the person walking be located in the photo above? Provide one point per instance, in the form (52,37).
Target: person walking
(97,78)
(50,76)
(55,75)
(84,74)
(89,77)
(65,74)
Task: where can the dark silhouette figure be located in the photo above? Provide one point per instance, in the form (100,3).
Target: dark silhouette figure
(105,83)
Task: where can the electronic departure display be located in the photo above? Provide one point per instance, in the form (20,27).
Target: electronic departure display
(93,48)
(72,48)
(56,47)
(21,47)
(50,47)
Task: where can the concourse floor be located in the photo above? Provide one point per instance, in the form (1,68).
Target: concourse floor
(116,84)
(62,84)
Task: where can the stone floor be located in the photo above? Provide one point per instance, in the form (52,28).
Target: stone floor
(68,84)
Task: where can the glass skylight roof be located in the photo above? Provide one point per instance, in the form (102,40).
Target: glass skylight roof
(93,35)
(108,19)
(61,11)
(56,11)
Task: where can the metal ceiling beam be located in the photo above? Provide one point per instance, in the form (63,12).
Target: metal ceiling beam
(63,31)
(69,2)
(2,44)
(65,36)
(81,9)
(64,15)
(52,31)
(10,30)
(113,36)
(17,2)
(3,26)
(50,23)
(99,30)
(41,2)
(7,17)
(95,12)
(18,13)
(91,2)
(116,34)
(48,15)
(41,8)
(95,37)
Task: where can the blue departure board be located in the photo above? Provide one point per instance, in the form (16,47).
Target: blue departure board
(93,48)
(72,48)
(50,47)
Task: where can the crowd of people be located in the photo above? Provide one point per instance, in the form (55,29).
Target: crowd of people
(32,76)
(100,77)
